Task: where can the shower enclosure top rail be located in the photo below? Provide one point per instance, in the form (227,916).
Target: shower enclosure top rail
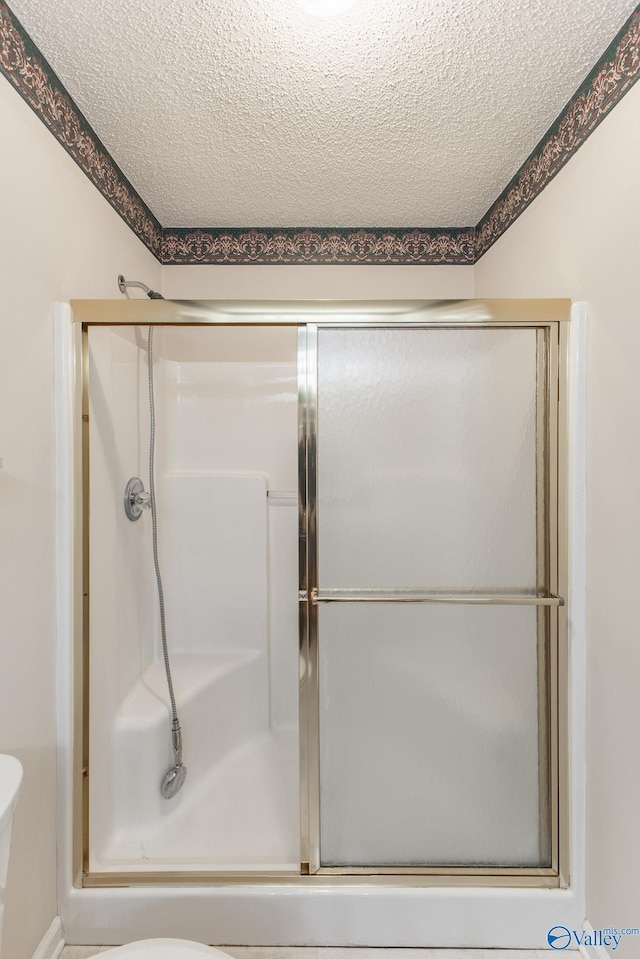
(332,312)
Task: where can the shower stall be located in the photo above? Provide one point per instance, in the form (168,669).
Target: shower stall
(361,522)
(226,483)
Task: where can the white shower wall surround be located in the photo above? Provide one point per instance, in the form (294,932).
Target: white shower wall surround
(226,412)
(229,557)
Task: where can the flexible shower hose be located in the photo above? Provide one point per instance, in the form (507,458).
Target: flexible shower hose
(154,532)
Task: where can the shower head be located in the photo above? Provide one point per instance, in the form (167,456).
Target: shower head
(173,780)
(123,286)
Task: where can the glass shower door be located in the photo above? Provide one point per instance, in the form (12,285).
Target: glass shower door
(429,566)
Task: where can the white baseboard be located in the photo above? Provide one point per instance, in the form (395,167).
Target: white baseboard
(52,943)
(588,952)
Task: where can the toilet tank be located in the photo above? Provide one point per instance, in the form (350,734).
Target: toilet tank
(10,779)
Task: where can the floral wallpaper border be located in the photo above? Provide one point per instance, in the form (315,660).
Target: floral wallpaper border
(613,75)
(27,70)
(313,246)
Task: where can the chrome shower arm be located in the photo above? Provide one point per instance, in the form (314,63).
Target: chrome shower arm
(124,285)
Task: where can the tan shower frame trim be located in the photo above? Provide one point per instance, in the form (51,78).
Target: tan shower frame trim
(545,596)
(549,315)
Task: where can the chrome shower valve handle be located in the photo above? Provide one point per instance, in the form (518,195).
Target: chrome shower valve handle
(136,499)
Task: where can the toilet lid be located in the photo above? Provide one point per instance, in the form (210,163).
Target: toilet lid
(163,949)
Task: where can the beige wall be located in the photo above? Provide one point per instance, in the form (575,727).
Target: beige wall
(322,282)
(580,238)
(58,239)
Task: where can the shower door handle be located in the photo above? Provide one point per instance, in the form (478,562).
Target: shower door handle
(474,598)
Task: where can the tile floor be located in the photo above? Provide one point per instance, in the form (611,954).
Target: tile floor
(299,952)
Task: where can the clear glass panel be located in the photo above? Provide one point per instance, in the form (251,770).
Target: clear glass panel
(429,724)
(427,458)
(226,440)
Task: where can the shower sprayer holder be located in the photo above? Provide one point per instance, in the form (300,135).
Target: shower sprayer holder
(136,499)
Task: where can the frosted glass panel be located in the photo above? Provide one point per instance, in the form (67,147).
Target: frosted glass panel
(428,735)
(427,458)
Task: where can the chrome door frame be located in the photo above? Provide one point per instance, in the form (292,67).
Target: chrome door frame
(551,314)
(551,514)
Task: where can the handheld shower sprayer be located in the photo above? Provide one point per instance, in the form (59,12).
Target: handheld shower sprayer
(175,776)
(136,499)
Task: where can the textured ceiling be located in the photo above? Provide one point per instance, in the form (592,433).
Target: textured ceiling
(255,113)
